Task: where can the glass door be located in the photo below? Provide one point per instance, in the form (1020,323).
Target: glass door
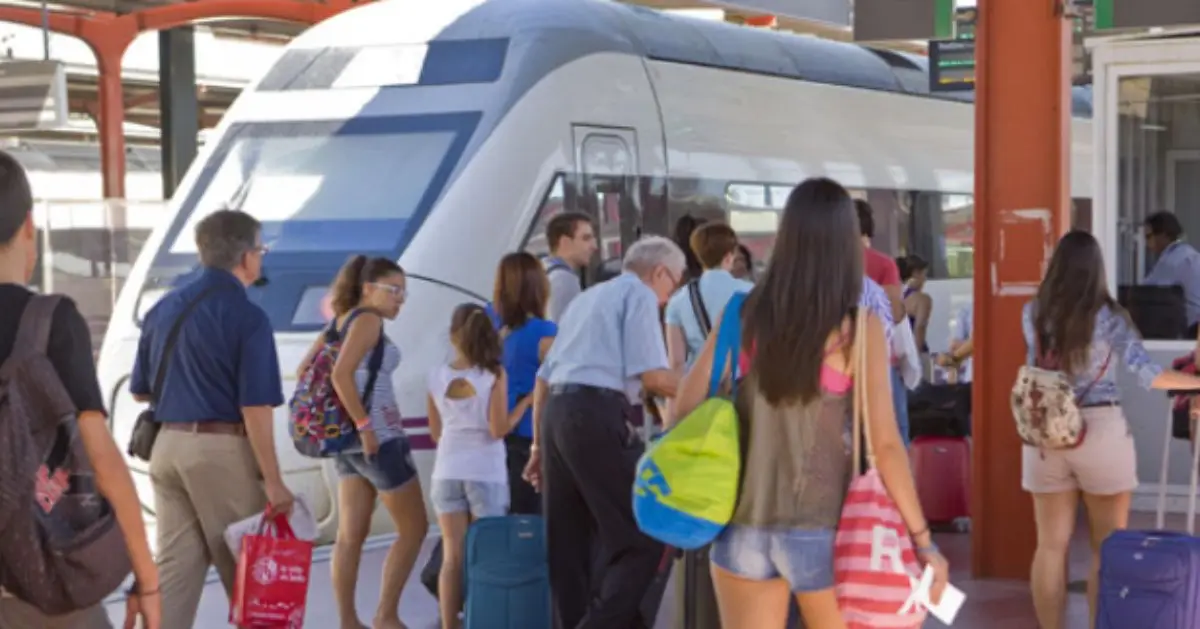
(1146,135)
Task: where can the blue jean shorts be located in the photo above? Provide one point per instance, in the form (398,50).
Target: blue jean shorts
(803,557)
(480,499)
(391,468)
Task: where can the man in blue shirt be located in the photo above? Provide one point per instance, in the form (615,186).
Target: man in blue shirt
(1178,263)
(608,349)
(213,463)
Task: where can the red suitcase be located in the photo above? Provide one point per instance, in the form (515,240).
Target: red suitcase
(942,470)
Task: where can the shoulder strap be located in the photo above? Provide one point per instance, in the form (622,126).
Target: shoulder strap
(728,345)
(36,321)
(702,317)
(1103,370)
(374,364)
(860,431)
(169,347)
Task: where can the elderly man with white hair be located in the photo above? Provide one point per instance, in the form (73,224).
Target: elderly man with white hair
(609,348)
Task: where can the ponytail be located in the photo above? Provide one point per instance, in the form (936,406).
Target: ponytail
(347,288)
(347,291)
(476,337)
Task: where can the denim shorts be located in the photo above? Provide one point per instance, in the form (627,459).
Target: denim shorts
(390,469)
(480,499)
(803,557)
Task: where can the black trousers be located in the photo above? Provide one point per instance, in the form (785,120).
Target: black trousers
(588,465)
(523,498)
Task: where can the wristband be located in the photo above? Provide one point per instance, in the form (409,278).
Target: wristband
(363,425)
(931,549)
(133,591)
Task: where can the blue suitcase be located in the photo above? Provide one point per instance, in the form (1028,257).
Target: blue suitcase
(508,578)
(1151,579)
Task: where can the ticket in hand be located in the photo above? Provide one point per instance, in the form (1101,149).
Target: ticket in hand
(947,608)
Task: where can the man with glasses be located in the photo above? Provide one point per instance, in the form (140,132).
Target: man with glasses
(207,361)
(1177,263)
(585,450)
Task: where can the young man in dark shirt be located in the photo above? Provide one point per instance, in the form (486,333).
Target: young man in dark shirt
(70,351)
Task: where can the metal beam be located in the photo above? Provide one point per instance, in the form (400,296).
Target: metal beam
(178,108)
(1022,206)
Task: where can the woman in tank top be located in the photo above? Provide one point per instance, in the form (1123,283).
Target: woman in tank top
(794,399)
(917,303)
(367,292)
(469,418)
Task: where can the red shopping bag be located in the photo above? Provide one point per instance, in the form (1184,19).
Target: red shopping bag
(272,578)
(874,563)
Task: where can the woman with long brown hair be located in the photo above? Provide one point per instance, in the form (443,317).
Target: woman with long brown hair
(1075,323)
(521,293)
(795,398)
(367,292)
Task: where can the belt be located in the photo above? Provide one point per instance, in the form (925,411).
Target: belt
(1105,404)
(237,429)
(568,389)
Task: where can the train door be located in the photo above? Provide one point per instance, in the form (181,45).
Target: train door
(607,183)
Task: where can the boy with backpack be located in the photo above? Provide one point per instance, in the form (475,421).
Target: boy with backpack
(71,525)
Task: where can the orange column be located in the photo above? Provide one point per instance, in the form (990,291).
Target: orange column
(109,52)
(1022,206)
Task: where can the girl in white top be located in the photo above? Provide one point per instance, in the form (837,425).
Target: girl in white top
(468,417)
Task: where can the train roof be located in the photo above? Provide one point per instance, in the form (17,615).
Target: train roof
(556,32)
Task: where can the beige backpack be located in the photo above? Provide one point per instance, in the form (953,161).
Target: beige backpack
(1045,406)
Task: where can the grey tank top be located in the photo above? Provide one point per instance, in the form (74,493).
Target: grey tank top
(384,413)
(797,460)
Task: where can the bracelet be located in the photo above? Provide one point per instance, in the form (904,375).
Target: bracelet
(931,549)
(920,532)
(133,591)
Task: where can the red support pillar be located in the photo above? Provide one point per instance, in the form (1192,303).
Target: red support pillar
(1022,206)
(111,119)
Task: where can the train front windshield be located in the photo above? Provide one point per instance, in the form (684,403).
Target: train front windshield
(323,191)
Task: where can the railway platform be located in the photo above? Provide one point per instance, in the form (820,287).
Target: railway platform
(991,603)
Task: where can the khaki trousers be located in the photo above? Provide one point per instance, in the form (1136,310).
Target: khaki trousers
(16,614)
(202,484)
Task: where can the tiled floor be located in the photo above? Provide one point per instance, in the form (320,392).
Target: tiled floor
(990,604)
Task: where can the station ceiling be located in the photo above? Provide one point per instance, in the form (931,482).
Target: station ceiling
(142,103)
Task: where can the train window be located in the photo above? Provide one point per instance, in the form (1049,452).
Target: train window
(610,190)
(552,204)
(754,210)
(940,228)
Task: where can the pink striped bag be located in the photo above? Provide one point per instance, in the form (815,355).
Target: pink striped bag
(875,565)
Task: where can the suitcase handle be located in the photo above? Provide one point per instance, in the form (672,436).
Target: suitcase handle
(1162,479)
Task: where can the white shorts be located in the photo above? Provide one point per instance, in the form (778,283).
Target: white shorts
(1105,463)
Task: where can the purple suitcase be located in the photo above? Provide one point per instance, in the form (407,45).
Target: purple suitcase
(1151,579)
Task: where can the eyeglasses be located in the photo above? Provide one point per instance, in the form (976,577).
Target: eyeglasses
(396,291)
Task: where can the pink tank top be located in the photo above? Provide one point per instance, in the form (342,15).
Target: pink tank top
(833,381)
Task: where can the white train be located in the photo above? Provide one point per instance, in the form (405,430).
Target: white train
(444,134)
